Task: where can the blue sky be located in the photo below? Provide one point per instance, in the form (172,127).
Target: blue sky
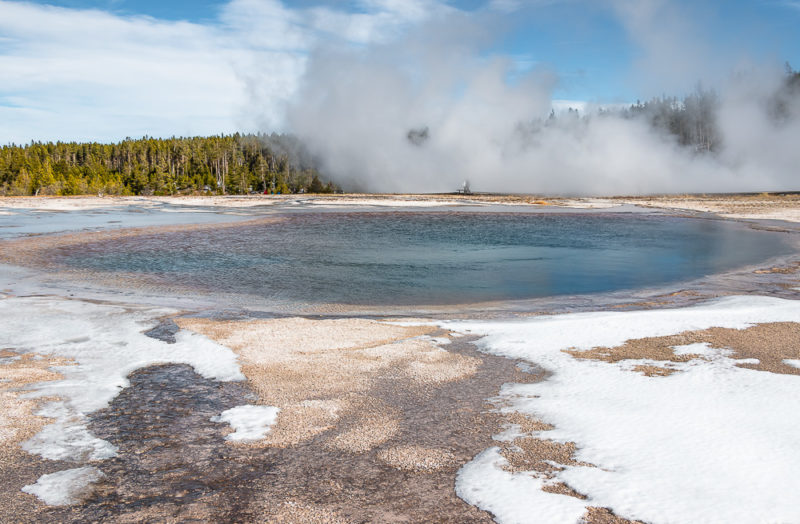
(195,11)
(106,69)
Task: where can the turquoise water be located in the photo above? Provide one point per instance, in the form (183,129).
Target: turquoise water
(434,258)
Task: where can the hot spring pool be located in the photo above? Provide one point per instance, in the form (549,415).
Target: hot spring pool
(433,257)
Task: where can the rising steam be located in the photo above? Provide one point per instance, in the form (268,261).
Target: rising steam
(430,109)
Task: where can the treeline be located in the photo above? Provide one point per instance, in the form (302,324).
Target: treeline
(227,164)
(692,120)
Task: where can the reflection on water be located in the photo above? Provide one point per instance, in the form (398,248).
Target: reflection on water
(432,258)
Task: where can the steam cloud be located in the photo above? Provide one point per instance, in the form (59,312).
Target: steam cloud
(430,109)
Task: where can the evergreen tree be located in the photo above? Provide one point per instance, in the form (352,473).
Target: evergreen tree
(226,164)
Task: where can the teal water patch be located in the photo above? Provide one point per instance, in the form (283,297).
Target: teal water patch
(434,257)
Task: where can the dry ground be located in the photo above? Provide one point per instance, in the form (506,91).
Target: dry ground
(774,206)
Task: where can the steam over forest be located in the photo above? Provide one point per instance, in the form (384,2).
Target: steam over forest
(281,164)
(691,121)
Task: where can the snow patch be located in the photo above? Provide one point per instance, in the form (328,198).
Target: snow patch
(249,422)
(698,348)
(712,442)
(612,328)
(484,483)
(793,363)
(65,487)
(68,438)
(106,343)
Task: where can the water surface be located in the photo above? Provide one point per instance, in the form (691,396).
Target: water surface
(434,257)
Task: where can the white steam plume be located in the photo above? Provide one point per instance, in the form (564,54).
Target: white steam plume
(472,116)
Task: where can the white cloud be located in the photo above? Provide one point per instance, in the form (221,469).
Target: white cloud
(85,74)
(79,74)
(672,52)
(265,25)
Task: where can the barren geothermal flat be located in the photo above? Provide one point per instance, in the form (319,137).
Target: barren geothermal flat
(400,358)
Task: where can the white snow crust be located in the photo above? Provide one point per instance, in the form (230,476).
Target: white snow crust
(107,343)
(793,363)
(699,348)
(67,438)
(249,422)
(513,498)
(64,487)
(710,443)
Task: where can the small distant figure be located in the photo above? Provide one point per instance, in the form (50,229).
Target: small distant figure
(465,188)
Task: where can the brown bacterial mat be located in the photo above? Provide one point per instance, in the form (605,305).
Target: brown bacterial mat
(389,453)
(769,343)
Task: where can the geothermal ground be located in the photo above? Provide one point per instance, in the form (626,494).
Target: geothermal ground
(676,405)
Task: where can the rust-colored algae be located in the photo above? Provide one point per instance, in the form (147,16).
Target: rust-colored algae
(769,343)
